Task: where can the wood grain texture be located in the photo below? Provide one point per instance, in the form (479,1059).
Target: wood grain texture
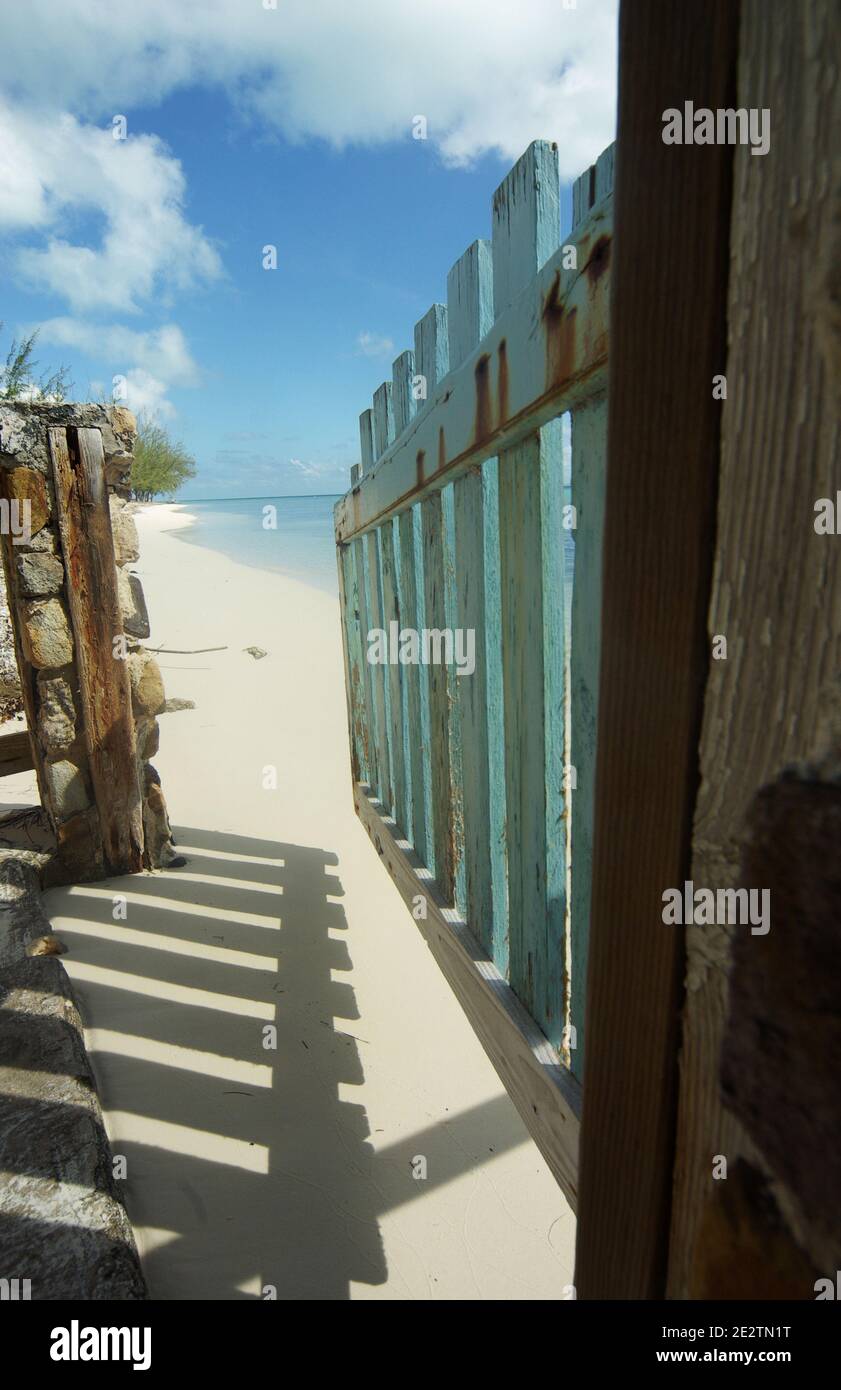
(469,318)
(667,326)
(441,839)
(366,440)
(777,585)
(589,464)
(417,713)
(379,724)
(85,528)
(546,1096)
(16,753)
(394,678)
(531,584)
(372,751)
(354,658)
(403,401)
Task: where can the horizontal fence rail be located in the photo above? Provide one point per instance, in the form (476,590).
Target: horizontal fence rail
(471,640)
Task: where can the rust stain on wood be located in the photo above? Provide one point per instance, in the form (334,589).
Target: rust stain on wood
(483,423)
(559,326)
(442,447)
(598,261)
(502,381)
(419,470)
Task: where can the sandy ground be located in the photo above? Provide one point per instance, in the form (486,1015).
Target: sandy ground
(291,1167)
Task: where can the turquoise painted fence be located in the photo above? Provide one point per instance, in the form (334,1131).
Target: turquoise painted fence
(470,502)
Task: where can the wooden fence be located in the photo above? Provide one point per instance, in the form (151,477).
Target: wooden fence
(477,789)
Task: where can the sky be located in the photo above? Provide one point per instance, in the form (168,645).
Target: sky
(248,125)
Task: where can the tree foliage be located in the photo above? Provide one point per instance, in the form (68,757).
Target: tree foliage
(18,379)
(160,465)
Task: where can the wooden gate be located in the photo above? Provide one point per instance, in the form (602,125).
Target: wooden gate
(477,788)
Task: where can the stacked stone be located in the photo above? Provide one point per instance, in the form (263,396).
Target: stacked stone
(36,579)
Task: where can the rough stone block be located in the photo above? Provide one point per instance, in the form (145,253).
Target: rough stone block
(126,543)
(132,605)
(46,633)
(148,735)
(147,688)
(39,574)
(56,714)
(68,789)
(25,485)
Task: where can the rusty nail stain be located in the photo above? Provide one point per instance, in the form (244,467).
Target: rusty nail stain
(599,260)
(483,423)
(559,327)
(502,383)
(421,455)
(442,447)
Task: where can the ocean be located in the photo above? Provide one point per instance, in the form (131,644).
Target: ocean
(301,546)
(302,543)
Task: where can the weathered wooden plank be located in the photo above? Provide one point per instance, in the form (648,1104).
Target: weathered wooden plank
(469,318)
(379,682)
(537,361)
(366,440)
(403,401)
(668,337)
(546,1096)
(438,676)
(383,419)
(771,694)
(525,233)
(525,222)
(431,349)
(372,759)
(16,753)
(530,501)
(431,363)
(397,712)
(470,302)
(354,657)
(589,461)
(453,682)
(417,714)
(85,528)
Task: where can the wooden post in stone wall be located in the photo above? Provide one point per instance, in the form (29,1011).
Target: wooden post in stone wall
(91,692)
(85,527)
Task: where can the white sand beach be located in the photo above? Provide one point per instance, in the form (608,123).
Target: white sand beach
(292,1168)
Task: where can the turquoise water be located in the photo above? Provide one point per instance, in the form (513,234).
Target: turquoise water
(302,545)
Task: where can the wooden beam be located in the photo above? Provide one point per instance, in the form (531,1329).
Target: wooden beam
(771,704)
(668,338)
(85,527)
(546,1096)
(16,753)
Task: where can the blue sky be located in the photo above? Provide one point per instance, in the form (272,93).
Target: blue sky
(143,257)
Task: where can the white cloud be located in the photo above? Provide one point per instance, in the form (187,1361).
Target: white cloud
(162,350)
(146,395)
(54,168)
(373,345)
(487,74)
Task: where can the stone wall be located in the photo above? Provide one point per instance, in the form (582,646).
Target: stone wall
(36,580)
